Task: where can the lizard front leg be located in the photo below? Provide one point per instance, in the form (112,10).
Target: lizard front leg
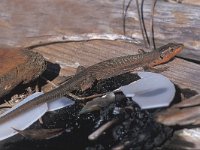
(155,70)
(87,82)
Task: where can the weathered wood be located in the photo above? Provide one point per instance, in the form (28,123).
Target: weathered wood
(186,112)
(71,55)
(18,66)
(22,21)
(185,139)
(191,2)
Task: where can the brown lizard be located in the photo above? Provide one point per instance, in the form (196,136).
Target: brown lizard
(106,69)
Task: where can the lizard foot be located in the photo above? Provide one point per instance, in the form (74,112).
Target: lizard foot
(155,70)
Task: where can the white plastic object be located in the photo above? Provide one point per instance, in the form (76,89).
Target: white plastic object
(151,91)
(60,103)
(28,117)
(24,120)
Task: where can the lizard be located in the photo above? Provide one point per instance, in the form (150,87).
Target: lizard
(84,79)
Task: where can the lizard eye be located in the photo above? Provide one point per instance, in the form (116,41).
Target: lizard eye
(171,49)
(162,56)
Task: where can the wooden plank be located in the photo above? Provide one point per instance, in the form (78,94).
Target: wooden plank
(191,2)
(69,55)
(22,21)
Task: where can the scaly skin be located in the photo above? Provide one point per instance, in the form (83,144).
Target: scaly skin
(106,69)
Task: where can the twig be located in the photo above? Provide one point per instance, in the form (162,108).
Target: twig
(80,37)
(152,41)
(100,130)
(6,105)
(142,26)
(143,23)
(124,15)
(48,81)
(122,146)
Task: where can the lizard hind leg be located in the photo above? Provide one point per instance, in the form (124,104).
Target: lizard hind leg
(80,69)
(87,83)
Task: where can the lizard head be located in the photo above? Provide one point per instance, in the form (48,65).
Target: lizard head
(167,52)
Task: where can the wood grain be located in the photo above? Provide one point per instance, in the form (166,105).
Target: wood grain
(23,21)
